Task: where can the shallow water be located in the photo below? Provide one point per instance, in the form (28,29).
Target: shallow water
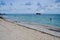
(38,19)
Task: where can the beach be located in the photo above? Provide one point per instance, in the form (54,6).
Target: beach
(12,31)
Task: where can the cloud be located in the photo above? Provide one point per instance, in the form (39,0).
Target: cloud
(2,3)
(11,4)
(28,3)
(57,1)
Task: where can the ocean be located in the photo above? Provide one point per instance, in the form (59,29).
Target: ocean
(43,19)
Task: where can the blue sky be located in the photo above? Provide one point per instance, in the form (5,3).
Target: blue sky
(30,6)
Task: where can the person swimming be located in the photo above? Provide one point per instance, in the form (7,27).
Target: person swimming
(50,19)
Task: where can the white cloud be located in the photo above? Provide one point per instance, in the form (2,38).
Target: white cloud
(19,6)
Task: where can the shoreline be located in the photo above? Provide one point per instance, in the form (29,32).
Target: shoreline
(14,31)
(43,28)
(46,25)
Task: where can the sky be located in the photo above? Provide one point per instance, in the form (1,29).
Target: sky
(30,6)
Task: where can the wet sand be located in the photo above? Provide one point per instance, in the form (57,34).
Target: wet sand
(12,31)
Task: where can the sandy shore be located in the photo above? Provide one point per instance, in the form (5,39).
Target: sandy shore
(12,31)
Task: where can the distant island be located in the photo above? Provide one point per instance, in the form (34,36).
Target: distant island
(38,13)
(2,13)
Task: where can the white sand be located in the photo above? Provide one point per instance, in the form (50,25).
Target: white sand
(11,31)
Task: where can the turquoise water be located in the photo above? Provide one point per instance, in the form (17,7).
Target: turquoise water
(33,18)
